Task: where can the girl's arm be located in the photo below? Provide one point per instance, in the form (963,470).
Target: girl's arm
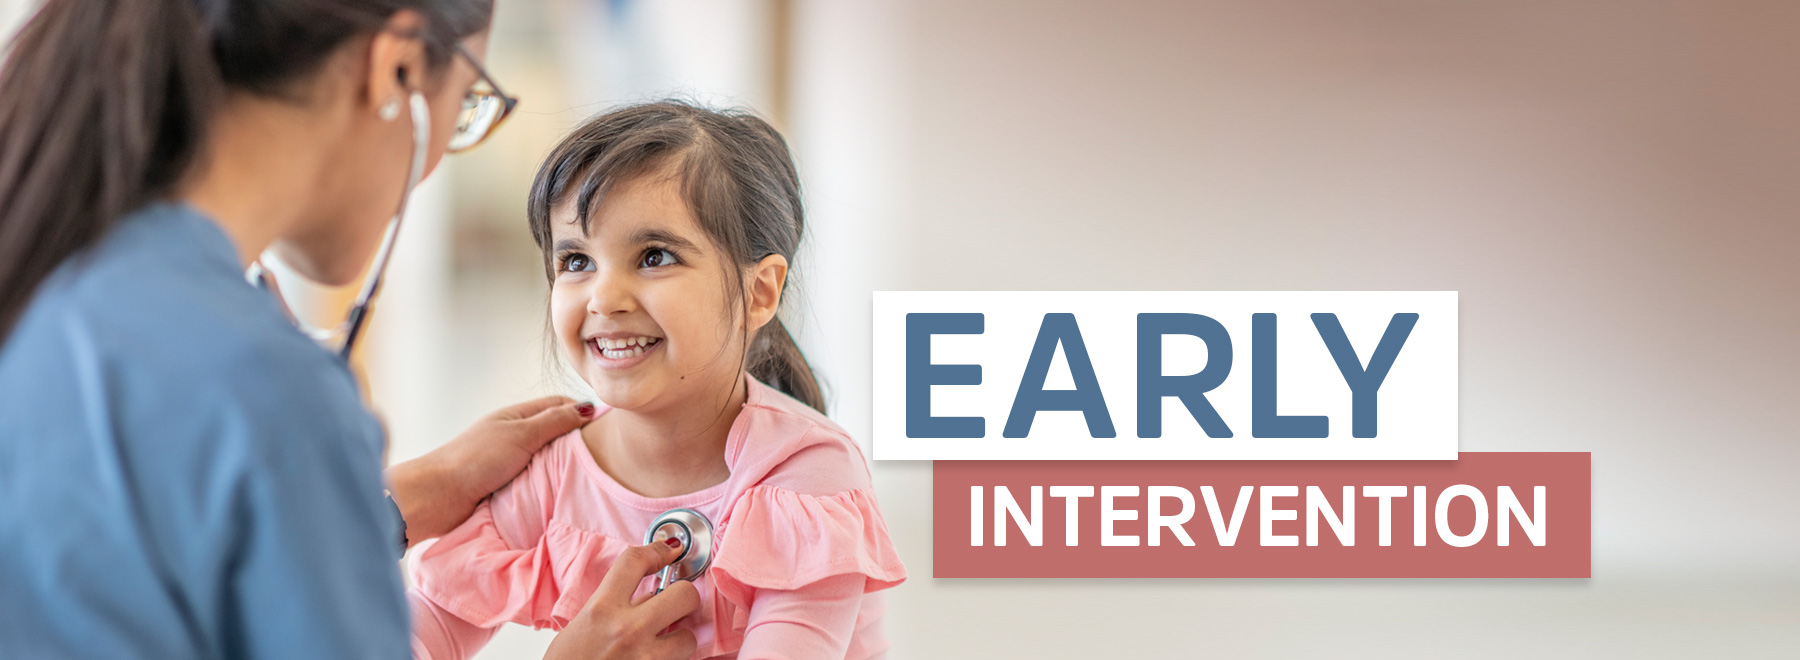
(814,621)
(440,635)
(437,632)
(493,568)
(797,566)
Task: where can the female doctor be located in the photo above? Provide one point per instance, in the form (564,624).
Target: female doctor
(184,474)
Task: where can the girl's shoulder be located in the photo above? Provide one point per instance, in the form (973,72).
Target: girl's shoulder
(809,509)
(523,507)
(552,464)
(789,445)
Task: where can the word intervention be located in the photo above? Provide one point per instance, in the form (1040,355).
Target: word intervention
(1170,509)
(1485,514)
(1135,375)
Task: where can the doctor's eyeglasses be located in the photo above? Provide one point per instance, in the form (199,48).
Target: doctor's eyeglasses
(483,108)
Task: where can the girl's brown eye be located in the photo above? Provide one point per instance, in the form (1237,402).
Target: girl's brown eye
(577,263)
(658,257)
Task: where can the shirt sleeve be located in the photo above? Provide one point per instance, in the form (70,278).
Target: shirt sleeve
(783,540)
(795,566)
(468,587)
(509,562)
(814,621)
(312,573)
(440,635)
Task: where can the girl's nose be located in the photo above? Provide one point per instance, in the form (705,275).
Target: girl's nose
(611,295)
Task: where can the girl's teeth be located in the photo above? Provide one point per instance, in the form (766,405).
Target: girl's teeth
(619,349)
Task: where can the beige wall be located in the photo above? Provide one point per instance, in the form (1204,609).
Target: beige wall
(1611,186)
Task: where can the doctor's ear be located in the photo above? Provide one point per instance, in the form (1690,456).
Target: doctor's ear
(765,282)
(396,64)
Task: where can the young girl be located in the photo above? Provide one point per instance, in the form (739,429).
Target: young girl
(668,231)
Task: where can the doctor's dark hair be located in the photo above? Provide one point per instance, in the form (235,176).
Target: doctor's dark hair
(736,177)
(105,104)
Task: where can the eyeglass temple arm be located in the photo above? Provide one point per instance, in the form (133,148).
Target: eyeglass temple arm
(482,71)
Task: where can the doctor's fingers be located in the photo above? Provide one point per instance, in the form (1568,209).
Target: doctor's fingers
(526,409)
(675,645)
(557,421)
(664,609)
(630,569)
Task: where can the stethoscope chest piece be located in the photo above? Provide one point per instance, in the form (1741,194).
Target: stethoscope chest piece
(696,535)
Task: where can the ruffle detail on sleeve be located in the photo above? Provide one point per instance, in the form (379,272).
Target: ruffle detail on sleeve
(779,539)
(473,574)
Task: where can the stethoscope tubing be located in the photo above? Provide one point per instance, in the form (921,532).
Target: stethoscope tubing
(365,299)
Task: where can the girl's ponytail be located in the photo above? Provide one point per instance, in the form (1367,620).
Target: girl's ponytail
(776,361)
(102,107)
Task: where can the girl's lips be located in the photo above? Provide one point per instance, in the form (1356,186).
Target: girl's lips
(621,358)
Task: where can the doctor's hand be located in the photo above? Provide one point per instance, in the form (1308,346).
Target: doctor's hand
(437,491)
(611,627)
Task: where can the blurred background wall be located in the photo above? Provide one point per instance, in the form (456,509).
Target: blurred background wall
(1613,185)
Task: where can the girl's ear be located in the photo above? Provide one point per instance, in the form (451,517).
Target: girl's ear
(766,281)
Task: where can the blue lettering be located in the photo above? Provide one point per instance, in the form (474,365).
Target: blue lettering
(1364,382)
(1264,422)
(1190,389)
(1032,397)
(921,374)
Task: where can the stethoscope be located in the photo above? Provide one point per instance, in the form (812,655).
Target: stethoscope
(688,526)
(694,532)
(359,312)
(358,316)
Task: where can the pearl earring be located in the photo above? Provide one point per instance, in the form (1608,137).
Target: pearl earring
(390,110)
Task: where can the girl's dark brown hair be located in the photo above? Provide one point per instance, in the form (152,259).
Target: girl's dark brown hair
(737,179)
(104,104)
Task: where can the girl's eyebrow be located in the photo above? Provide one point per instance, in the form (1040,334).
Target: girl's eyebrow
(641,237)
(652,235)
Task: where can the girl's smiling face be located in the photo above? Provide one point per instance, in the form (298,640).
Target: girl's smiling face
(640,303)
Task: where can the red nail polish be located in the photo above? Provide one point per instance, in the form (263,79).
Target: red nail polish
(584,409)
(672,542)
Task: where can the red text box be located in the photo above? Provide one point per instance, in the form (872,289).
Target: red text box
(1563,527)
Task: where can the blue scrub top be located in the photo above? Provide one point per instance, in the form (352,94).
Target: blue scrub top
(183,474)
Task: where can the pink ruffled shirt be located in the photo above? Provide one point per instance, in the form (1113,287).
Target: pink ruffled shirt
(801,548)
